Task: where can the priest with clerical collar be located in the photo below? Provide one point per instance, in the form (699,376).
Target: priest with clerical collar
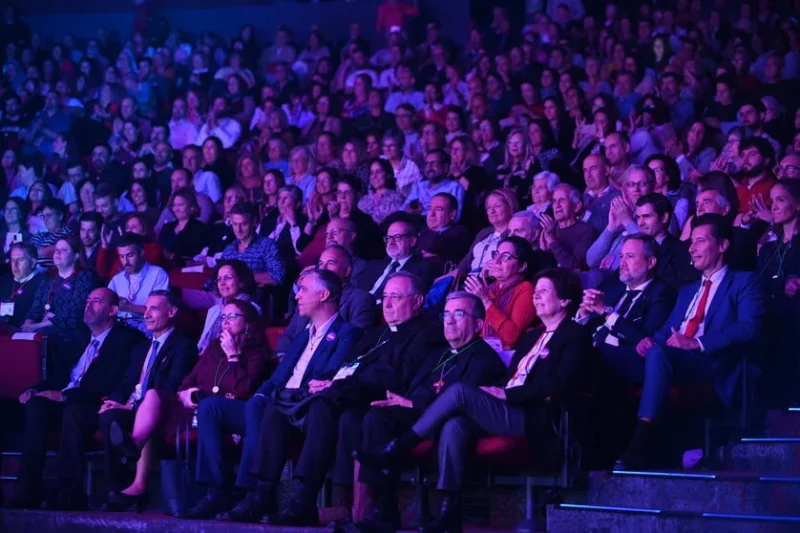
(468,359)
(389,358)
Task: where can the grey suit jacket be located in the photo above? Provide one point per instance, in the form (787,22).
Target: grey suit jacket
(356,307)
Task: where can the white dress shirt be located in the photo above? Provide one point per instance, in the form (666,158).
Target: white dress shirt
(716,278)
(228,131)
(86,360)
(380,279)
(315,336)
(207,182)
(526,363)
(138,392)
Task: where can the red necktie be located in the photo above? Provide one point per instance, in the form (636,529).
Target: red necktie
(700,311)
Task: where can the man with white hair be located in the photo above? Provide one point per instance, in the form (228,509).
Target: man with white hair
(563,234)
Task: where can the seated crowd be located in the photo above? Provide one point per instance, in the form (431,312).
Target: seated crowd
(449,237)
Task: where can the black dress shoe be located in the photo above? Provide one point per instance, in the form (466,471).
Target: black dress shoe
(396,451)
(124,444)
(294,516)
(205,509)
(249,510)
(67,502)
(119,502)
(449,519)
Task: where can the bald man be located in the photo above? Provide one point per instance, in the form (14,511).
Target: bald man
(789,167)
(69,399)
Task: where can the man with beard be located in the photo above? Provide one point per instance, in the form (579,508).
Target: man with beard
(436,181)
(753,113)
(443,241)
(69,398)
(104,170)
(681,109)
(89,226)
(625,309)
(12,124)
(755,178)
(162,168)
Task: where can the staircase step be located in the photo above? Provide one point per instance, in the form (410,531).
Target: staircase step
(570,518)
(766,455)
(783,423)
(721,492)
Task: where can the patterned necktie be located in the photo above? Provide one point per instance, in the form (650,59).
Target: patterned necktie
(625,306)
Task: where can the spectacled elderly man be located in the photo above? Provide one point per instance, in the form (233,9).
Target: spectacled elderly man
(18,288)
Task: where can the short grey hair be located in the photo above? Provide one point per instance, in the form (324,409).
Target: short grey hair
(530,218)
(417,286)
(551,179)
(295,192)
(328,281)
(478,310)
(573,192)
(651,176)
(342,250)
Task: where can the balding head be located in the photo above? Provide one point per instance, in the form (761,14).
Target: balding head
(789,167)
(341,231)
(595,172)
(102,306)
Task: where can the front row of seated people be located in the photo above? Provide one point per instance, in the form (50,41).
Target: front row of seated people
(373,395)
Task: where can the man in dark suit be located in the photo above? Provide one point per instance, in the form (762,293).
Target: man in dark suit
(713,327)
(401,240)
(70,401)
(18,288)
(443,241)
(277,411)
(466,359)
(155,372)
(674,266)
(390,358)
(356,306)
(627,308)
(91,224)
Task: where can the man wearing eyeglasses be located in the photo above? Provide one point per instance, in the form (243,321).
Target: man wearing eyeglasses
(437,163)
(389,358)
(467,359)
(788,168)
(400,239)
(18,288)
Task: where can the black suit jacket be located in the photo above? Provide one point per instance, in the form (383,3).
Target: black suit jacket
(91,260)
(648,314)
(23,301)
(105,372)
(390,361)
(448,246)
(416,265)
(175,360)
(674,263)
(566,371)
(479,366)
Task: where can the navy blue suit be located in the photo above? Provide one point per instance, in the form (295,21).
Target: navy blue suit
(217,416)
(734,318)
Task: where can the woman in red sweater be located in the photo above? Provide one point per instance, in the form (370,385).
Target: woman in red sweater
(107,259)
(509,299)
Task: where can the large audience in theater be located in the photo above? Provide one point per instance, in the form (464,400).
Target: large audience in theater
(453,237)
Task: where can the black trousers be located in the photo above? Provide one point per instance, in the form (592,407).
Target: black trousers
(117,474)
(77,421)
(321,432)
(381,425)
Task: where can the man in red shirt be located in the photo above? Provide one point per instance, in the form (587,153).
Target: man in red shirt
(755,179)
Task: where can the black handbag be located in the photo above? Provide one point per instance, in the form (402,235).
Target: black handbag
(180,490)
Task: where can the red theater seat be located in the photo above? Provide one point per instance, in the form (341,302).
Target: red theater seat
(272,334)
(21,361)
(188,280)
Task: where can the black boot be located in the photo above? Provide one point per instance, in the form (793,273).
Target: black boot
(300,511)
(449,519)
(634,456)
(119,502)
(247,510)
(396,450)
(122,441)
(386,517)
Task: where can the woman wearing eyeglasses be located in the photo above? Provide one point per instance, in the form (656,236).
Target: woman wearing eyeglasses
(234,281)
(509,298)
(229,370)
(57,309)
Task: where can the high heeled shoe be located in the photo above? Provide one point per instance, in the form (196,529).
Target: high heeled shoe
(119,502)
(123,442)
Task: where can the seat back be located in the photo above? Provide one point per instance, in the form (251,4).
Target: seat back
(21,361)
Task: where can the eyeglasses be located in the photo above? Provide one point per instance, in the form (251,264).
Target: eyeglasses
(458,316)
(395,238)
(395,298)
(504,257)
(231,316)
(787,170)
(226,278)
(335,232)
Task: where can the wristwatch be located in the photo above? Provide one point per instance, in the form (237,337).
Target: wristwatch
(608,310)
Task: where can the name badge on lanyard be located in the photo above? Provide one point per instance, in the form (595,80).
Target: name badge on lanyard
(346,371)
(6,308)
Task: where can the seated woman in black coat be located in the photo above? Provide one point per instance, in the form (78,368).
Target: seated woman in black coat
(186,236)
(286,224)
(552,361)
